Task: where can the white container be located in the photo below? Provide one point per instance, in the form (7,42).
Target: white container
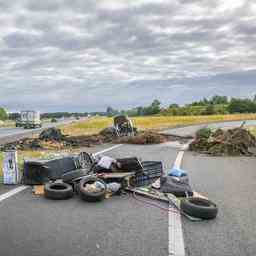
(10,168)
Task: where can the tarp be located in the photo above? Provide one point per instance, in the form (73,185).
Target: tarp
(38,172)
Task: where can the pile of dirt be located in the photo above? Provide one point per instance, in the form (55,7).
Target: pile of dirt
(53,138)
(23,144)
(232,142)
(147,137)
(152,137)
(51,134)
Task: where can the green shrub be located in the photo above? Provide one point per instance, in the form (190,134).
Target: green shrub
(204,133)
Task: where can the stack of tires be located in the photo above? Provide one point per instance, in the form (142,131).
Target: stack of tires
(75,182)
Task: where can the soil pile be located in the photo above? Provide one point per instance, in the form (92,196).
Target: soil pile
(146,137)
(51,134)
(232,142)
(53,138)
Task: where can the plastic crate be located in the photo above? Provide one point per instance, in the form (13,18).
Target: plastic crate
(152,170)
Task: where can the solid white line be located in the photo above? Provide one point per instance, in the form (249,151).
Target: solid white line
(21,188)
(12,192)
(178,161)
(107,149)
(176,241)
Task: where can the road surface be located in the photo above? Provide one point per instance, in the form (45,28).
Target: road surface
(32,225)
(12,134)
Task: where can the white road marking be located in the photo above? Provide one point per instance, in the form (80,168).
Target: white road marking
(21,188)
(176,241)
(12,192)
(107,149)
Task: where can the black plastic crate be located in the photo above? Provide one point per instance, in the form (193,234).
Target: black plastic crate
(152,170)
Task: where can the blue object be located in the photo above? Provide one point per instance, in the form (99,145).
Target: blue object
(177,172)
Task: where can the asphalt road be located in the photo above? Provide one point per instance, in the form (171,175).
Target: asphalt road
(17,130)
(230,182)
(32,225)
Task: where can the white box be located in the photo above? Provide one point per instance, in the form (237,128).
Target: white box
(10,168)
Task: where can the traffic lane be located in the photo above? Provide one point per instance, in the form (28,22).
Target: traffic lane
(6,188)
(118,226)
(230,183)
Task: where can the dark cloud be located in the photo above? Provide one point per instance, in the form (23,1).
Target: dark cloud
(86,55)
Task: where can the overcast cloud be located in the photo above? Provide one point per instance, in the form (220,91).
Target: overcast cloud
(83,55)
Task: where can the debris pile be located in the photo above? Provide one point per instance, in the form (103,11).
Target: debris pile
(101,180)
(51,134)
(52,138)
(147,137)
(231,142)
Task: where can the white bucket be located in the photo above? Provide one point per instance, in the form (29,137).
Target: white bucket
(10,168)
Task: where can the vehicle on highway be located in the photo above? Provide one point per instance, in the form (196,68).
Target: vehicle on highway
(29,119)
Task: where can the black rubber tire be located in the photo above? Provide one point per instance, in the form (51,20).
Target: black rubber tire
(199,208)
(88,196)
(58,191)
(69,177)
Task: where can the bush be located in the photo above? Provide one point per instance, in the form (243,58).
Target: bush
(204,133)
(3,114)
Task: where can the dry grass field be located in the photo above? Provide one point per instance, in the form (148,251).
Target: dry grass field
(94,125)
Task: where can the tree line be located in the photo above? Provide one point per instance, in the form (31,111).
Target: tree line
(207,106)
(212,106)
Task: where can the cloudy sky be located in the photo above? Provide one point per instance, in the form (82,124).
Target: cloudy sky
(84,55)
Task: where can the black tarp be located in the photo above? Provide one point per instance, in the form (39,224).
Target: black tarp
(40,171)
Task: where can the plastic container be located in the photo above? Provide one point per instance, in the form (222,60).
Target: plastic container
(11,175)
(152,170)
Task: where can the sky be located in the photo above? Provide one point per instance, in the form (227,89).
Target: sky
(85,55)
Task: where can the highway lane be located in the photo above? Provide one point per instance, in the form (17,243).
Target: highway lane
(118,226)
(17,130)
(230,182)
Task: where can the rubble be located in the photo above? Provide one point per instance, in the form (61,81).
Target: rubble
(231,142)
(53,134)
(147,137)
(52,138)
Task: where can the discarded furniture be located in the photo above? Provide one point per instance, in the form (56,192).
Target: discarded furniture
(123,126)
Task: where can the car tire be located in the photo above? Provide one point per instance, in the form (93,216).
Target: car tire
(58,191)
(69,177)
(89,196)
(199,208)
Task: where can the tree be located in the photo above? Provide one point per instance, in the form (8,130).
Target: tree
(174,105)
(3,114)
(209,110)
(111,112)
(219,100)
(242,106)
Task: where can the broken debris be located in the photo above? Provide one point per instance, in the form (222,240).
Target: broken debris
(231,142)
